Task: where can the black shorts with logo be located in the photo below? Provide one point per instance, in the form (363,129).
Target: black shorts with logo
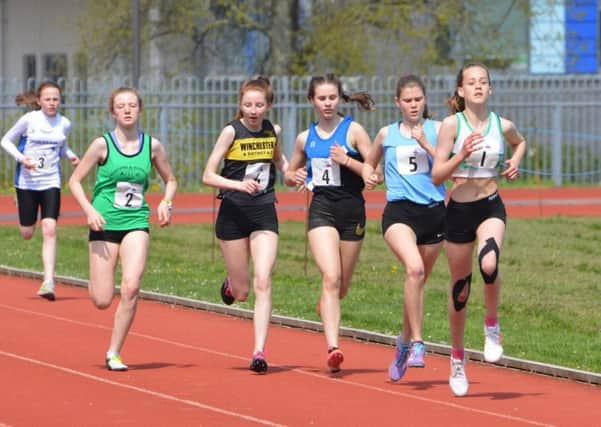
(346,215)
(464,218)
(426,221)
(239,221)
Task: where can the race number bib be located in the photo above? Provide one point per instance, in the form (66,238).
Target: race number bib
(128,195)
(258,172)
(411,160)
(42,159)
(483,159)
(325,172)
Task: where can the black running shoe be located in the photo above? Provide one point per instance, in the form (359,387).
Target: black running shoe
(226,292)
(258,364)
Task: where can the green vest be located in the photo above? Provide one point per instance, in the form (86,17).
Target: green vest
(121,181)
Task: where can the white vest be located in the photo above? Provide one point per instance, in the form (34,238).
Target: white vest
(485,162)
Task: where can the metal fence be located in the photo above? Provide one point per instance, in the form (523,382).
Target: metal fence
(559,116)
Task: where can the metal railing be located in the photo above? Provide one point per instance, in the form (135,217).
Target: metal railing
(559,116)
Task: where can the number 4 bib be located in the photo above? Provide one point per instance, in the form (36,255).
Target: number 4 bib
(325,172)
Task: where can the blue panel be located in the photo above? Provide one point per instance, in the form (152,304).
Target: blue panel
(582,36)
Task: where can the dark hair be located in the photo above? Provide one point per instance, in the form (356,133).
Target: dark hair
(120,90)
(364,99)
(260,83)
(412,80)
(456,103)
(30,98)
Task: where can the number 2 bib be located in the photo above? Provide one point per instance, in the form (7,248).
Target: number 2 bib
(128,195)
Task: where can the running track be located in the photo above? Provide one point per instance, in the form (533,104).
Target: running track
(189,367)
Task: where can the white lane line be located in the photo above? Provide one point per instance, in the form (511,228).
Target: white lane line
(142,390)
(299,371)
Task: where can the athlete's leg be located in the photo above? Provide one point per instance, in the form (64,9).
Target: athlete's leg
(325,246)
(402,241)
(488,251)
(235,255)
(459,256)
(349,253)
(263,249)
(133,252)
(103,261)
(48,247)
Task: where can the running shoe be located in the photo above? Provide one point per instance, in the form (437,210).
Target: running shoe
(258,363)
(398,367)
(226,292)
(493,348)
(47,290)
(416,355)
(458,380)
(335,359)
(114,363)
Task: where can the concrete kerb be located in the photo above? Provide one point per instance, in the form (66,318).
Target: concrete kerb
(357,334)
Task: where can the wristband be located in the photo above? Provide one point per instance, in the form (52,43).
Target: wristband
(169,203)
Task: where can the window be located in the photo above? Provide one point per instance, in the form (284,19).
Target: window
(55,66)
(29,68)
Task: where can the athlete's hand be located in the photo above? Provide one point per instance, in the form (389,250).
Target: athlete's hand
(95,221)
(371,181)
(28,163)
(472,143)
(74,160)
(249,186)
(512,171)
(417,132)
(164,213)
(338,154)
(300,175)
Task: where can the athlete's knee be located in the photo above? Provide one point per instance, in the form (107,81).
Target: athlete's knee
(101,302)
(461,292)
(48,228)
(489,266)
(262,283)
(331,282)
(415,273)
(27,232)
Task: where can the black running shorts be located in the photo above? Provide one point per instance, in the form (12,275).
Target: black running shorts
(464,218)
(346,215)
(239,221)
(426,221)
(29,201)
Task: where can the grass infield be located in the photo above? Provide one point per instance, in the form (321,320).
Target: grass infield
(549,299)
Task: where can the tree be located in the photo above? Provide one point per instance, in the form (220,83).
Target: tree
(227,37)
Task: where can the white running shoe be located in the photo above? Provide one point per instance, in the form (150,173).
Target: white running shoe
(47,290)
(458,380)
(493,350)
(114,363)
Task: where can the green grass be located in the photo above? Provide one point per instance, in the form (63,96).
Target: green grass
(549,301)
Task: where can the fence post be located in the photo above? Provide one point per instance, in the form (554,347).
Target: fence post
(556,160)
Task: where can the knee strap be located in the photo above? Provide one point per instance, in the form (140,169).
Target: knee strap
(491,245)
(461,292)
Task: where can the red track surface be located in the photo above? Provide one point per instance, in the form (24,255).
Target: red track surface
(190,367)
